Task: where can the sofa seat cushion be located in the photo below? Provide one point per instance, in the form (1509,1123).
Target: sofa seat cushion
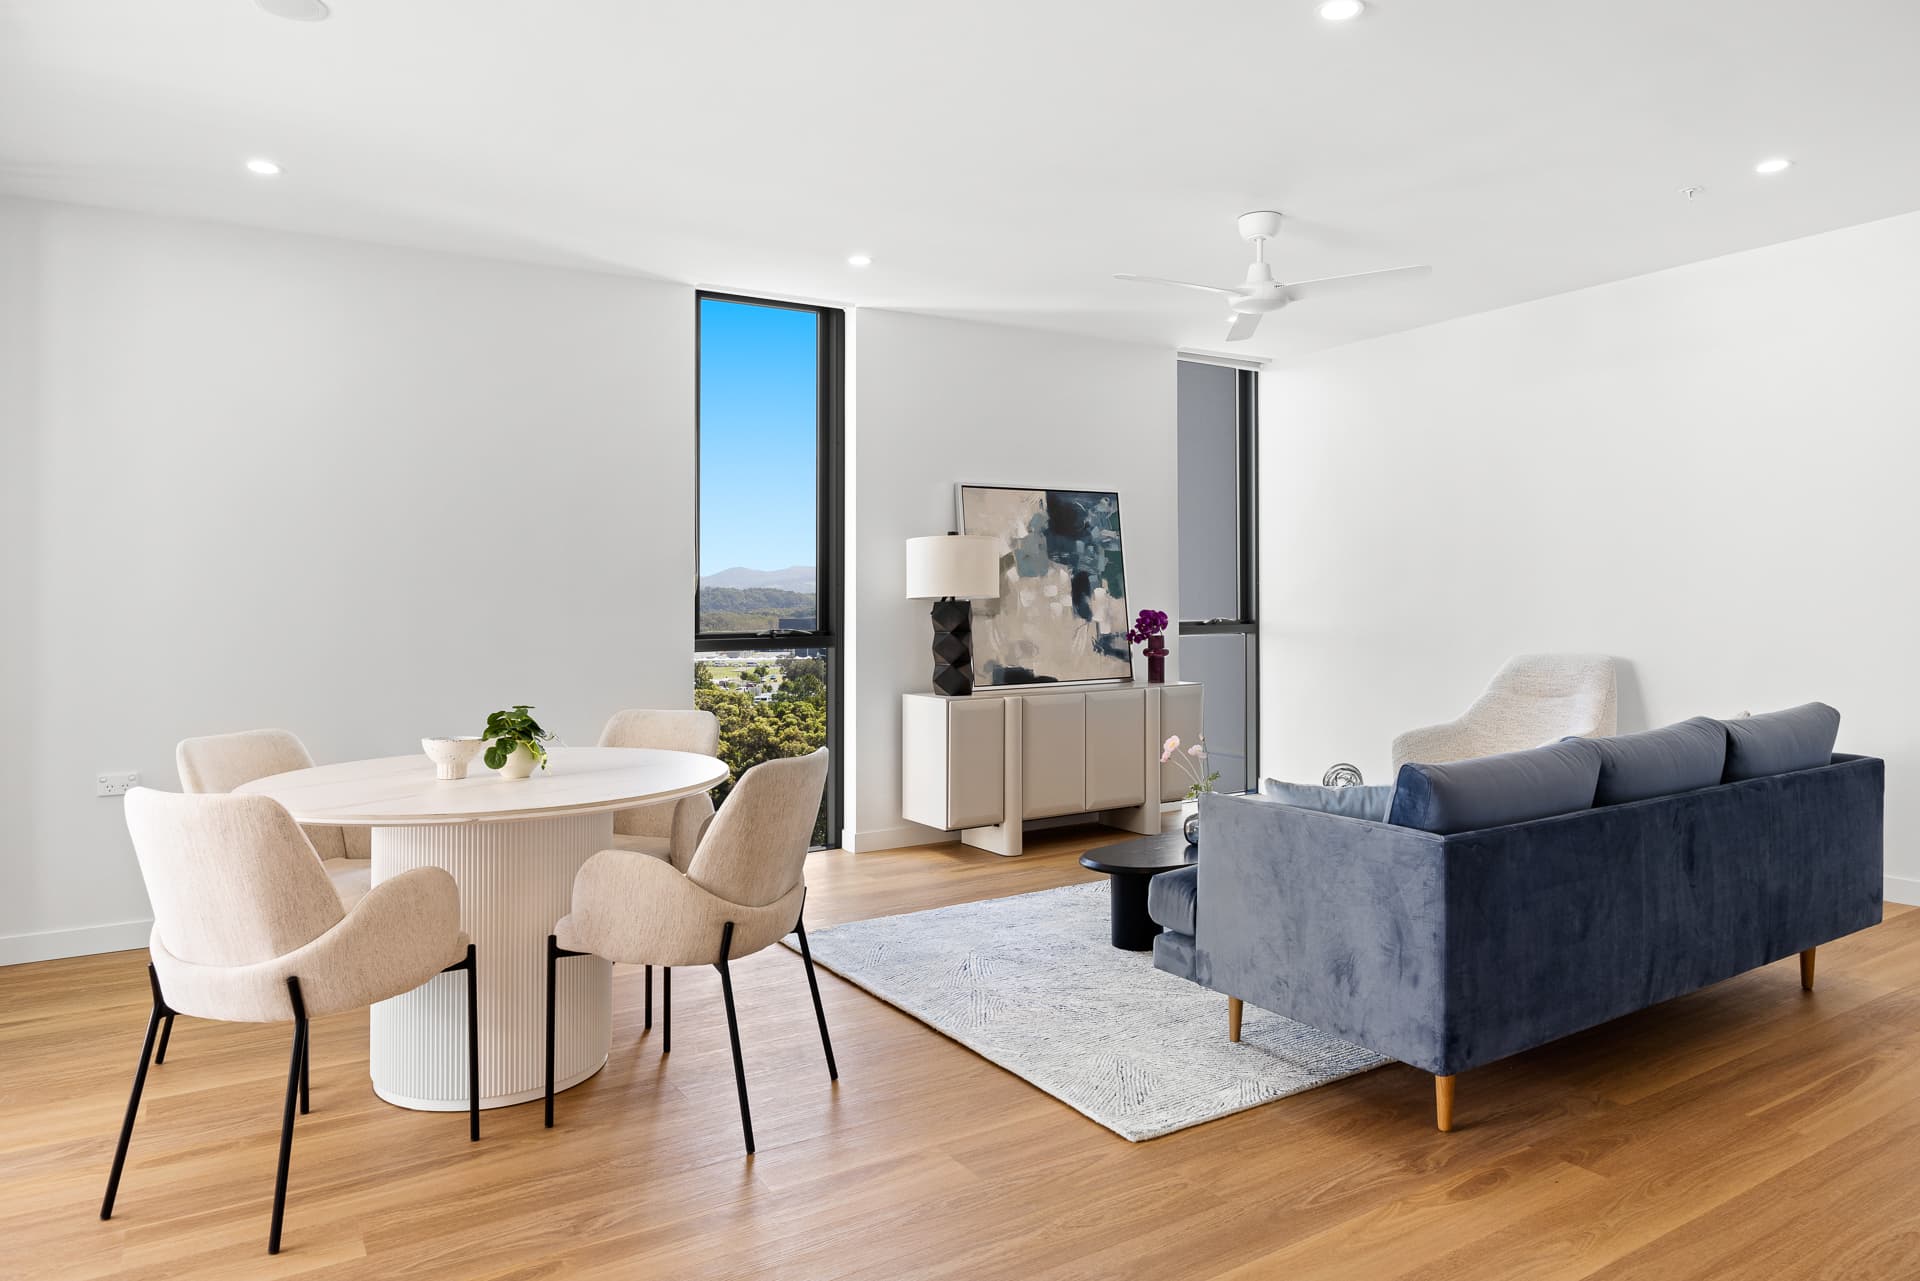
(1494,791)
(1172,899)
(1349,802)
(1661,762)
(1780,742)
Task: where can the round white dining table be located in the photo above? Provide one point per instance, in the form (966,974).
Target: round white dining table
(513,847)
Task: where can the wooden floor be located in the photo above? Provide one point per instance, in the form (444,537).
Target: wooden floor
(1750,1130)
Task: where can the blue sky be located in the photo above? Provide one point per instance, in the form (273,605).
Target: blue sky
(757,435)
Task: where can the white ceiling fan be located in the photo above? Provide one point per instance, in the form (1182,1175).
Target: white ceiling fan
(1261,293)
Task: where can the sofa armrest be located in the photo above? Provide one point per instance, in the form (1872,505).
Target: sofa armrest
(1335,922)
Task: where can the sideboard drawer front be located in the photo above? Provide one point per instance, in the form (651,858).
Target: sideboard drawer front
(1179,714)
(1053,755)
(976,762)
(1116,749)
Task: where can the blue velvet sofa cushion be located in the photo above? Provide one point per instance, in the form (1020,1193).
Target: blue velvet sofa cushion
(1171,897)
(1780,742)
(1353,802)
(1493,791)
(1661,762)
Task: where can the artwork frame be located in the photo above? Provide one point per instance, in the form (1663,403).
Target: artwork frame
(1061,617)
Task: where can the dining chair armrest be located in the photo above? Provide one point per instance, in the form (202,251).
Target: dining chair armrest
(405,931)
(633,908)
(691,816)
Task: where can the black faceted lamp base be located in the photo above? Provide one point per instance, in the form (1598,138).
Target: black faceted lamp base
(953,646)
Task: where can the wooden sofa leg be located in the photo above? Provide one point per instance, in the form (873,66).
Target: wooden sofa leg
(1443,1103)
(1806,968)
(1233,1018)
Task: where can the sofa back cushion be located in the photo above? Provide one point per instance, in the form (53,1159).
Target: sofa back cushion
(1493,791)
(1349,802)
(1780,742)
(1661,762)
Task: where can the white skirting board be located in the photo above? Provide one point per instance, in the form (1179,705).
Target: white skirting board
(85,940)
(1902,889)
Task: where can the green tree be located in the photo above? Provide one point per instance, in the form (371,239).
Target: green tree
(753,732)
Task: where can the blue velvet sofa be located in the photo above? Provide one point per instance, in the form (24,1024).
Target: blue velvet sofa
(1511,900)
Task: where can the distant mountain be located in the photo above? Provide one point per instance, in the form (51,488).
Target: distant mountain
(753,609)
(794,578)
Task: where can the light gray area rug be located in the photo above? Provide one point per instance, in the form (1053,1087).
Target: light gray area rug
(1032,984)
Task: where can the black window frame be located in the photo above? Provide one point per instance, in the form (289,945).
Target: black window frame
(829,518)
(1247,622)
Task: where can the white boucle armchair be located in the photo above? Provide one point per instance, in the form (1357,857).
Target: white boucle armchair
(247,929)
(743,890)
(1536,699)
(222,762)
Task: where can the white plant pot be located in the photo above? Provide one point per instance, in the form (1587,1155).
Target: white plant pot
(451,756)
(519,765)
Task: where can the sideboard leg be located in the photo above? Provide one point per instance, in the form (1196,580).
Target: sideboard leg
(1806,968)
(1233,1018)
(1443,1103)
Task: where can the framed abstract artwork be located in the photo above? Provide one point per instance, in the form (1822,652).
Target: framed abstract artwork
(1062,610)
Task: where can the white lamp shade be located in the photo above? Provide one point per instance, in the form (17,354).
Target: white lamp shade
(965,566)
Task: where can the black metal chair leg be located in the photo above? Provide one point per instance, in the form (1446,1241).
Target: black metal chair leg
(166,1034)
(159,1012)
(733,1031)
(647,1023)
(554,953)
(553,958)
(666,1009)
(473,1048)
(306,1062)
(294,1072)
(819,1010)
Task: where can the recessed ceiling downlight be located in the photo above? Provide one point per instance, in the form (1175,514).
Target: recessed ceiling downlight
(296,10)
(859,260)
(1773,165)
(1341,10)
(261,167)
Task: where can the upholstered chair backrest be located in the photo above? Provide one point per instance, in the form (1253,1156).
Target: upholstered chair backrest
(233,879)
(755,850)
(669,730)
(1540,698)
(222,762)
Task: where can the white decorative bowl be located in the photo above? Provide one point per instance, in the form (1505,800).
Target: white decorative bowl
(451,756)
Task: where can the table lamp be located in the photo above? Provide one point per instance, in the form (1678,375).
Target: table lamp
(951,570)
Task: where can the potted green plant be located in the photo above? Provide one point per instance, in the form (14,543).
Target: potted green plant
(515,742)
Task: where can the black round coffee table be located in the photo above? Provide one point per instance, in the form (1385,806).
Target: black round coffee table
(1129,865)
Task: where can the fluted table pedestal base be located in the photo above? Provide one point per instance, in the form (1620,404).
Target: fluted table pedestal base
(516,880)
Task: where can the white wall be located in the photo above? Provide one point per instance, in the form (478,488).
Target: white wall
(365,494)
(1709,472)
(940,402)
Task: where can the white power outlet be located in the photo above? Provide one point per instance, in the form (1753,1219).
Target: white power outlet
(116,784)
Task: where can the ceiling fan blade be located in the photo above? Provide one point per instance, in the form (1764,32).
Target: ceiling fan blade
(1183,284)
(1334,284)
(1241,324)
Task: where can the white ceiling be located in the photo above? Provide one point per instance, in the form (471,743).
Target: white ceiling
(999,160)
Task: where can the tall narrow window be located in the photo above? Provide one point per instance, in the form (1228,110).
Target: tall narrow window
(1219,621)
(767,603)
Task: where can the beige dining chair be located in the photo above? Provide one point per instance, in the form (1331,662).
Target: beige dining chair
(744,890)
(247,929)
(222,762)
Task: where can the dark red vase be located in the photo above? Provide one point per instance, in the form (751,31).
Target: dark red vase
(1156,653)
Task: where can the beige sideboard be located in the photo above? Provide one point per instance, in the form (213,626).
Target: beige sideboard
(985,763)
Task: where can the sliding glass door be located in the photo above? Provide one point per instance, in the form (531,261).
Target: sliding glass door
(767,600)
